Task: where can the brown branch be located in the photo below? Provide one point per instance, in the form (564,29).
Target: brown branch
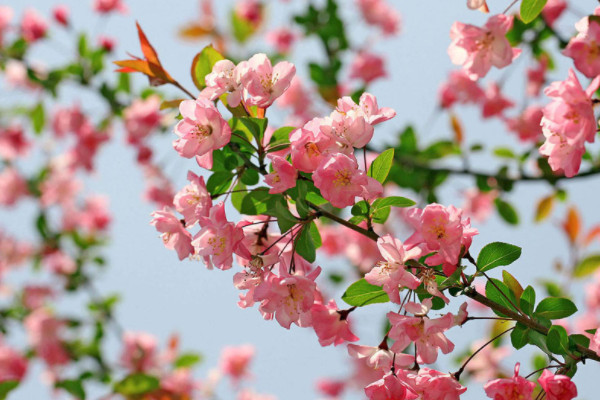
(370,234)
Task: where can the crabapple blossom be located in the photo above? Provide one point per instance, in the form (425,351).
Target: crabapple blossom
(349,129)
(331,387)
(179,382)
(568,123)
(367,67)
(60,187)
(283,177)
(527,124)
(107,6)
(459,88)
(13,365)
(12,187)
(429,384)
(381,14)
(60,263)
(250,10)
(557,387)
(515,388)
(595,342)
(35,296)
(263,82)
(13,142)
(478,49)
(94,216)
(426,333)
(193,201)
(201,131)
(340,180)
(225,77)
(443,230)
(367,107)
(33,25)
(478,204)
(390,387)
(330,324)
(219,239)
(6,15)
(477,4)
(44,335)
(61,14)
(536,77)
(494,103)
(235,361)
(392,274)
(174,235)
(288,297)
(487,364)
(106,42)
(139,352)
(282,39)
(310,147)
(553,10)
(380,357)
(141,117)
(583,48)
(68,120)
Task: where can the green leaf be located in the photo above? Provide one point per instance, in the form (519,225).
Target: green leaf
(187,360)
(501,296)
(237,196)
(136,384)
(558,340)
(512,283)
(555,308)
(315,198)
(74,387)
(381,165)
(250,177)
(257,202)
(381,215)
(203,64)
(530,9)
(393,201)
(219,182)
(242,29)
(527,300)
(539,340)
(587,266)
(519,336)
(359,208)
(507,211)
(6,387)
(37,116)
(362,293)
(504,152)
(315,235)
(285,219)
(497,254)
(305,246)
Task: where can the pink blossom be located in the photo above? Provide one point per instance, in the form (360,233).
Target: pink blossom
(553,10)
(180,382)
(362,253)
(247,394)
(380,357)
(95,217)
(35,296)
(60,187)
(201,131)
(426,333)
(595,342)
(459,88)
(282,39)
(350,129)
(288,297)
(249,10)
(367,67)
(283,176)
(557,387)
(478,49)
(495,103)
(331,387)
(515,388)
(536,77)
(478,204)
(15,74)
(107,6)
(12,187)
(13,143)
(193,201)
(60,263)
(174,235)
(430,384)
(381,14)
(443,230)
(235,361)
(568,123)
(13,252)
(225,77)
(488,362)
(367,107)
(13,365)
(6,15)
(265,83)
(33,25)
(298,98)
(141,118)
(44,335)
(310,147)
(391,274)
(584,47)
(67,120)
(331,324)
(61,14)
(219,239)
(527,124)
(340,180)
(390,387)
(139,352)
(106,42)
(477,5)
